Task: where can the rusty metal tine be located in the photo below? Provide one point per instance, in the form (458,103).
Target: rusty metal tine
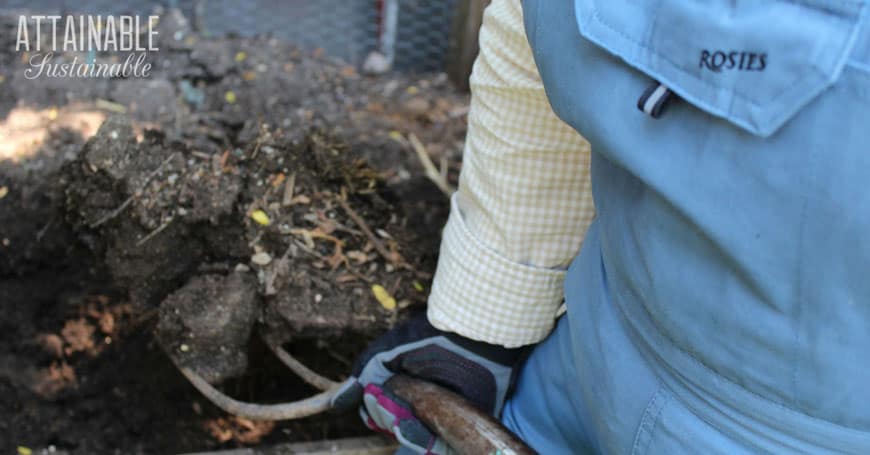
(300,369)
(285,411)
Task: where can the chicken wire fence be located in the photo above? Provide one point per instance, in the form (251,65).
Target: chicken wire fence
(413,34)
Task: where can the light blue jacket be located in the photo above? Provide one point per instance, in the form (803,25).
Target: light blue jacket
(732,239)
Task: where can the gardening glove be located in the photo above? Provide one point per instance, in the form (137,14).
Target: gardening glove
(482,373)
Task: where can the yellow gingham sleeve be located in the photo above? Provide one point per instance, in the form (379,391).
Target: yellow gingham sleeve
(524,199)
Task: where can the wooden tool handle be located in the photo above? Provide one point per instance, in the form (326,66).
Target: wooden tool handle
(465,428)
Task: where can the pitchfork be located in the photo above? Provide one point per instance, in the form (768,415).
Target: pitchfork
(464,427)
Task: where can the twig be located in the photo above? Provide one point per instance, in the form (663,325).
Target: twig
(313,234)
(111,106)
(145,316)
(289,188)
(442,170)
(343,228)
(429,167)
(135,194)
(256,239)
(354,272)
(301,370)
(280,266)
(368,232)
(155,232)
(201,155)
(259,141)
(115,212)
(41,233)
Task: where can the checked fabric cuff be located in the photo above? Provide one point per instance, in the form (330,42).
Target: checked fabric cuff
(485,297)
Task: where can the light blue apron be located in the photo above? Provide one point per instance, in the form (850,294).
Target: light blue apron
(721,302)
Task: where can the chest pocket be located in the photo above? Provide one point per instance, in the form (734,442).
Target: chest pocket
(753,63)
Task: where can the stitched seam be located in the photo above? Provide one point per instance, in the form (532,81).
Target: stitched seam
(596,16)
(666,400)
(641,429)
(722,431)
(650,420)
(800,305)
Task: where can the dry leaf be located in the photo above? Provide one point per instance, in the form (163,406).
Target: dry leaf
(239,429)
(219,429)
(336,259)
(121,311)
(309,235)
(262,258)
(346,278)
(223,162)
(277,179)
(326,225)
(301,199)
(358,256)
(253,431)
(52,344)
(348,71)
(78,335)
(51,380)
(107,323)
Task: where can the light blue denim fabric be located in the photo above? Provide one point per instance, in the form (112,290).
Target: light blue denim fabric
(721,302)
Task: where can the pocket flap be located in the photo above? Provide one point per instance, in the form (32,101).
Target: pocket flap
(753,63)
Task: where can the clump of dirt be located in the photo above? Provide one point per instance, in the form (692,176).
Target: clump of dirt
(300,213)
(208,322)
(114,198)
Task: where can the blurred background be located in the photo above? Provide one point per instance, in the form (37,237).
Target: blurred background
(415,33)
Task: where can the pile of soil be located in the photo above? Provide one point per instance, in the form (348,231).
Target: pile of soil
(292,232)
(247,190)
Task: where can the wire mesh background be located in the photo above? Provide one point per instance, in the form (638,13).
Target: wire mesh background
(347,29)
